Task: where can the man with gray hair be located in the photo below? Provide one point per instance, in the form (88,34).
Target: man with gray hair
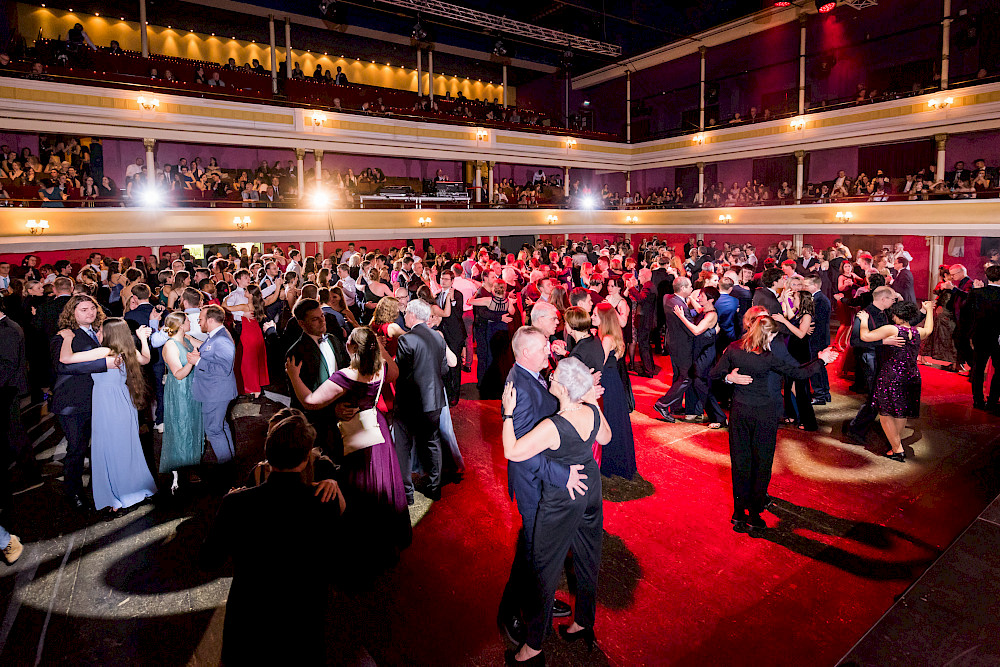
(680,344)
(545,318)
(421,357)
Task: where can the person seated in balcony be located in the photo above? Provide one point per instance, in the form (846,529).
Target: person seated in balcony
(737,119)
(77,39)
(168,76)
(605,196)
(963,190)
(341,78)
(336,104)
(277,189)
(297,73)
(258,68)
(981,180)
(754,115)
(90,189)
(51,195)
(350,180)
(107,188)
(268,196)
(154,73)
(115,48)
(200,77)
(785,191)
(37,71)
(213,165)
(515,117)
(439,177)
(317,74)
(231,65)
(216,81)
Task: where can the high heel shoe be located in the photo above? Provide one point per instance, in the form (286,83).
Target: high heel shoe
(510,659)
(587,635)
(896,456)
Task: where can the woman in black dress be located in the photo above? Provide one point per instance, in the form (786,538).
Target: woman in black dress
(706,331)
(753,421)
(563,521)
(798,317)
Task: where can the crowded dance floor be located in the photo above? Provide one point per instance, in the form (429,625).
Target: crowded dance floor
(615,345)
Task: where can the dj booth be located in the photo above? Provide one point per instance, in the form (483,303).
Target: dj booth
(438,195)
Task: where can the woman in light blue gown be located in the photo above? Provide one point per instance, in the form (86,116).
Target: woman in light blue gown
(120,477)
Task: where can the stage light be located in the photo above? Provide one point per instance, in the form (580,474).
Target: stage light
(588,202)
(150,197)
(499,49)
(782,3)
(825,6)
(36,227)
(320,200)
(418,33)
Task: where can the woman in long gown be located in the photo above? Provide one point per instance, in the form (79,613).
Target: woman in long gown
(587,348)
(897,387)
(798,318)
(120,477)
(563,522)
(705,332)
(370,478)
(620,457)
(251,363)
(183,429)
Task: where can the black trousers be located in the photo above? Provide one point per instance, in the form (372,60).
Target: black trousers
(76,427)
(563,524)
(681,382)
(984,351)
(753,433)
(420,431)
(453,378)
(642,341)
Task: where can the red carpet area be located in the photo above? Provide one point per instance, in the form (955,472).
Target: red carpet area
(850,531)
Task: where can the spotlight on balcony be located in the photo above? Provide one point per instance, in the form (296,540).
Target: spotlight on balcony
(588,203)
(151,197)
(36,227)
(320,200)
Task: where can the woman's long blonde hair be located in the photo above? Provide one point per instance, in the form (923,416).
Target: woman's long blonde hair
(757,339)
(118,338)
(608,325)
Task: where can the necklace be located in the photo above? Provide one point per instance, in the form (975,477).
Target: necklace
(570,409)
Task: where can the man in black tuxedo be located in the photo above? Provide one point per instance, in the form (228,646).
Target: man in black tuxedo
(820,338)
(420,355)
(524,479)
(867,358)
(73,387)
(643,296)
(983,309)
(13,384)
(47,317)
(903,282)
(145,314)
(680,342)
(960,285)
(453,328)
(771,281)
(321,356)
(277,605)
(808,262)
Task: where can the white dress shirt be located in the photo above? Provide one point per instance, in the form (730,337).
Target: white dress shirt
(327,351)
(238,297)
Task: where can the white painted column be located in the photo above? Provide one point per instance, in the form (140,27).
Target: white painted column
(302,249)
(155,250)
(802,64)
(149,144)
(797,241)
(945,47)
(800,174)
(701,99)
(319,167)
(701,182)
(700,237)
(628,182)
(420,73)
(935,260)
(940,140)
(479,182)
(505,86)
(489,181)
(300,171)
(430,75)
(274,54)
(566,181)
(288,48)
(143,29)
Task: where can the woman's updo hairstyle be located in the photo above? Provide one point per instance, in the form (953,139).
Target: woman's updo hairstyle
(575,377)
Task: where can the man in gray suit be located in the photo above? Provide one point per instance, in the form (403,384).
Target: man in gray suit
(214,383)
(903,282)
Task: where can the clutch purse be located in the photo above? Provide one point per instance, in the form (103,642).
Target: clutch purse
(363,431)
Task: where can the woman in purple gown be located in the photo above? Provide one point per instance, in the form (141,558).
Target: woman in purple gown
(369,477)
(897,387)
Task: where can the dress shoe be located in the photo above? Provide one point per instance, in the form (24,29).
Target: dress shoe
(511,661)
(757,526)
(665,414)
(560,609)
(819,401)
(896,456)
(856,438)
(514,628)
(587,635)
(13,550)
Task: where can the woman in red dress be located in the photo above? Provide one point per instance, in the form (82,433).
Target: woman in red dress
(251,358)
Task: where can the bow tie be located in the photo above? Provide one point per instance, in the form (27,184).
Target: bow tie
(323,339)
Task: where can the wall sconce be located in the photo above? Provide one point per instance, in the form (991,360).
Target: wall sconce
(37,226)
(318,118)
(698,138)
(571,143)
(844,216)
(940,104)
(631,219)
(725,218)
(423,222)
(551,219)
(798,123)
(148,103)
(241,223)
(482,135)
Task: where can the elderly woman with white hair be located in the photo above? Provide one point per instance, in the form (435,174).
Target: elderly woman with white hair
(563,521)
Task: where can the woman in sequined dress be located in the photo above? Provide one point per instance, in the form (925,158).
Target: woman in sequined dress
(897,387)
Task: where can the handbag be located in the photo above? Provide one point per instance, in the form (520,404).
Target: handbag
(363,431)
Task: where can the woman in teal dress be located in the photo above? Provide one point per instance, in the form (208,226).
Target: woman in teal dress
(183,430)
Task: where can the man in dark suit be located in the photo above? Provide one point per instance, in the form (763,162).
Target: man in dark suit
(643,296)
(960,285)
(983,309)
(771,281)
(273,595)
(73,388)
(453,328)
(420,355)
(47,317)
(13,385)
(214,383)
(866,355)
(680,342)
(145,314)
(903,282)
(820,338)
(524,479)
(663,280)
(321,356)
(808,262)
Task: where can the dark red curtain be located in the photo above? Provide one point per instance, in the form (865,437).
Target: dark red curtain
(773,171)
(896,160)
